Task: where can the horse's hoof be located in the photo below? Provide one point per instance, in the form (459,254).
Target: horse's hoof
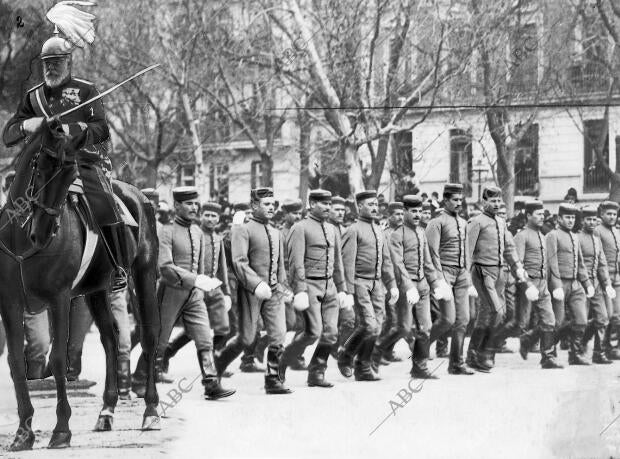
(151,423)
(104,423)
(24,439)
(60,440)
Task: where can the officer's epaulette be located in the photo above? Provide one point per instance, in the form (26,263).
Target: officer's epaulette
(84,81)
(34,87)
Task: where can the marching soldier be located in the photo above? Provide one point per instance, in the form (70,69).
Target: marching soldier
(596,266)
(568,282)
(317,279)
(531,248)
(447,242)
(610,237)
(489,247)
(366,260)
(258,261)
(414,272)
(183,285)
(336,214)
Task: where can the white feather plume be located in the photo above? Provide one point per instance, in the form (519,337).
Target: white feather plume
(76,25)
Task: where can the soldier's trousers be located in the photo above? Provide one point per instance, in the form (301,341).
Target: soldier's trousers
(216,308)
(570,314)
(613,306)
(189,306)
(98,191)
(38,340)
(320,319)
(598,319)
(544,312)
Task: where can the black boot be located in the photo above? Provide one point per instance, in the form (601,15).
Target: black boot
(441,347)
(612,353)
(575,352)
(363,370)
(383,344)
(261,346)
(456,365)
(160,376)
(227,355)
(74,365)
(525,342)
(175,346)
(213,388)
(273,383)
(124,380)
(350,349)
(547,349)
(588,334)
(116,237)
(318,364)
(138,379)
(419,359)
(598,354)
(474,351)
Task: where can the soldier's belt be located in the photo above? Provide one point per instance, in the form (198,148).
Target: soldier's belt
(368,278)
(319,277)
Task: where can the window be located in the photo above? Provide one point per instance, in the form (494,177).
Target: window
(589,72)
(187,176)
(256,174)
(218,174)
(526,163)
(461,159)
(403,160)
(523,59)
(595,178)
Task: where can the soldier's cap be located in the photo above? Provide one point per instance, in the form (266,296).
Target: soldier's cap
(184,193)
(532,205)
(395,205)
(589,211)
(212,206)
(567,209)
(338,200)
(150,193)
(56,47)
(610,205)
(412,201)
(320,195)
(292,205)
(259,193)
(452,188)
(367,194)
(241,206)
(427,205)
(491,192)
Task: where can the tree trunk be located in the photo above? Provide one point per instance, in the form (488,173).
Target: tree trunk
(505,174)
(304,153)
(150,174)
(356,181)
(266,178)
(379,163)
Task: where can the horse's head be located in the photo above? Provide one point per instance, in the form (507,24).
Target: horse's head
(54,169)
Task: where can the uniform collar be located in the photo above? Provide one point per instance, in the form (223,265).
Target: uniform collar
(318,220)
(186,223)
(262,221)
(367,219)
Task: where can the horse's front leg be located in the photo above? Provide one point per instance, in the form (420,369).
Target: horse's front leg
(59,310)
(13,320)
(99,304)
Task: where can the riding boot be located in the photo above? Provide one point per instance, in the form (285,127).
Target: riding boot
(261,346)
(611,352)
(456,365)
(379,351)
(419,359)
(124,380)
(274,384)
(547,347)
(598,354)
(575,352)
(116,238)
(363,370)
(213,389)
(160,375)
(227,355)
(588,334)
(474,358)
(347,353)
(171,350)
(318,364)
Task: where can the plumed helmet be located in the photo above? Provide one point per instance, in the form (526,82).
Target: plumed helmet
(56,47)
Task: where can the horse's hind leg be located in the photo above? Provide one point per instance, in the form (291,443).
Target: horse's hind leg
(145,278)
(13,320)
(59,311)
(99,304)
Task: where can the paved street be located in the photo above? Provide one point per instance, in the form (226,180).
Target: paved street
(517,411)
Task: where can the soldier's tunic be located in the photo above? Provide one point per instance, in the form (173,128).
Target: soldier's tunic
(490,246)
(215,266)
(294,320)
(42,101)
(610,238)
(181,259)
(391,311)
(315,267)
(346,317)
(596,266)
(448,247)
(568,272)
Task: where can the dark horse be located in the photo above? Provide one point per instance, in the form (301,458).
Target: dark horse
(42,240)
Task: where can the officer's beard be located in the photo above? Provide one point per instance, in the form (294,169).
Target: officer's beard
(54,79)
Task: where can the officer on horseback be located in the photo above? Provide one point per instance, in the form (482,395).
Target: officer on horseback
(59,92)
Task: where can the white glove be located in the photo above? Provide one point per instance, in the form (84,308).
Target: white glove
(206,283)
(413,296)
(520,273)
(610,292)
(347,302)
(558,294)
(238,218)
(394,294)
(532,293)
(342,297)
(301,302)
(32,124)
(262,291)
(443,290)
(227,302)
(472,291)
(590,292)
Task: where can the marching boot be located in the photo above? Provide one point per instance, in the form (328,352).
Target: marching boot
(363,370)
(547,347)
(575,354)
(171,350)
(160,376)
(213,389)
(261,346)
(138,379)
(419,359)
(318,364)
(474,351)
(598,354)
(456,365)
(377,356)
(124,380)
(441,347)
(273,383)
(535,346)
(612,353)
(224,357)
(389,354)
(525,342)
(350,349)
(588,334)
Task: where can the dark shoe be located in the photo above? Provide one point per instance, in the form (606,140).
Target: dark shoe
(599,358)
(613,354)
(344,365)
(392,358)
(550,364)
(299,364)
(441,351)
(524,346)
(535,347)
(317,379)
(421,372)
(365,375)
(576,359)
(214,390)
(251,367)
(273,385)
(564,345)
(460,370)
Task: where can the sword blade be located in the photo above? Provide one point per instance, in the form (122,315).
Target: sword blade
(107,91)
